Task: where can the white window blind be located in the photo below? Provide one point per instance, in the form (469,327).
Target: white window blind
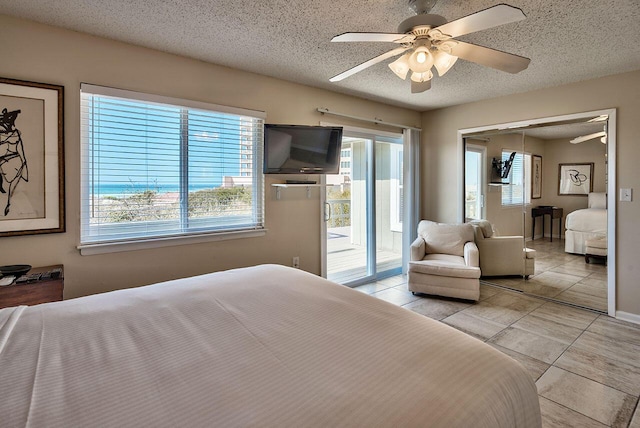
(157,167)
(516,192)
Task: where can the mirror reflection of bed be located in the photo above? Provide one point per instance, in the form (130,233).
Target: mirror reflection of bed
(571,264)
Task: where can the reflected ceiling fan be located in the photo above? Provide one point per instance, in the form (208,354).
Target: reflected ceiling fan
(428,40)
(602,134)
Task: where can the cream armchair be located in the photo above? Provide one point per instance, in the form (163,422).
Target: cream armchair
(445,261)
(502,255)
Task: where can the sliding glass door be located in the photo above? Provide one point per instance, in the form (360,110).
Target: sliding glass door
(364,209)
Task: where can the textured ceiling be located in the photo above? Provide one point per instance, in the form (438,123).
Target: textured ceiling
(567,40)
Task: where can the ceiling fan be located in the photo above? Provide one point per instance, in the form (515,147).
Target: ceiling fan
(602,134)
(428,40)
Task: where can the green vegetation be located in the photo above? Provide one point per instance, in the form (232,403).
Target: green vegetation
(214,202)
(340,206)
(149,205)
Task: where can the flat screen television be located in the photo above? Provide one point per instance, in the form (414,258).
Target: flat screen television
(301,149)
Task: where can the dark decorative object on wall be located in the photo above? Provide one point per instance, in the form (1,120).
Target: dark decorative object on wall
(536,177)
(500,169)
(31,158)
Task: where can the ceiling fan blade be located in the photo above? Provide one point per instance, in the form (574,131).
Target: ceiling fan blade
(584,138)
(369,63)
(492,17)
(417,87)
(374,37)
(490,57)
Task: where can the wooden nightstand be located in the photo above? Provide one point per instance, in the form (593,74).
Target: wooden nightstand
(33,293)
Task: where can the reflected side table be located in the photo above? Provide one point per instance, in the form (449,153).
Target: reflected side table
(552,212)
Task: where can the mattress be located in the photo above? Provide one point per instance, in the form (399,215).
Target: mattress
(265,346)
(592,220)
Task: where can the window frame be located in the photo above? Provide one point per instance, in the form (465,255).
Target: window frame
(191,235)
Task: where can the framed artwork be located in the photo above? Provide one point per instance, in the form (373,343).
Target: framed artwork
(575,178)
(31,158)
(536,177)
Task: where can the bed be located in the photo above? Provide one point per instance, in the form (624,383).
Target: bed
(584,224)
(265,346)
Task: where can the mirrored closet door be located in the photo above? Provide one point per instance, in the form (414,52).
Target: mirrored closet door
(545,186)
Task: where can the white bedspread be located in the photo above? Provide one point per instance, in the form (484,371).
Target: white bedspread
(587,220)
(265,346)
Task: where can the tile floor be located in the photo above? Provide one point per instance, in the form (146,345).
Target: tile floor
(562,276)
(586,365)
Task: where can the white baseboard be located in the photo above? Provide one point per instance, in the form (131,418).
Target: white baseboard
(626,316)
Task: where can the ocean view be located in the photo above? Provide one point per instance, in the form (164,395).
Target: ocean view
(118,189)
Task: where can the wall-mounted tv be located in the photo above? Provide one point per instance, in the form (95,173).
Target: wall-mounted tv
(301,149)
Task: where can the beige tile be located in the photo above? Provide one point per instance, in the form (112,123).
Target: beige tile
(481,328)
(393,280)
(531,344)
(371,288)
(599,275)
(504,308)
(609,348)
(396,297)
(563,314)
(556,416)
(595,282)
(621,376)
(616,329)
(571,270)
(533,366)
(402,287)
(590,290)
(487,291)
(543,287)
(549,329)
(592,399)
(581,299)
(436,308)
(560,279)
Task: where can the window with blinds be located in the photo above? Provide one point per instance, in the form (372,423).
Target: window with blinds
(517,191)
(156,167)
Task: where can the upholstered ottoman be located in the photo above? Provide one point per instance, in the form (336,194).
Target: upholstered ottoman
(596,248)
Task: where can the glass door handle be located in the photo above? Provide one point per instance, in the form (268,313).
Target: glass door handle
(327,211)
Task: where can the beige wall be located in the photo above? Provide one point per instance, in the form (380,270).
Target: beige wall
(41,53)
(440,152)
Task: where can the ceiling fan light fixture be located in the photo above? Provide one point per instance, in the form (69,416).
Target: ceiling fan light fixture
(443,62)
(420,60)
(421,77)
(401,66)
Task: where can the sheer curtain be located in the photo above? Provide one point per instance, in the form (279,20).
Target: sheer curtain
(411,215)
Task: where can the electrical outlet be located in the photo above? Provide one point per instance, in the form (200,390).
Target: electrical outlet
(296,262)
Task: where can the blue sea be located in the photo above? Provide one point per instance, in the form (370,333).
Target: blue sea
(129,188)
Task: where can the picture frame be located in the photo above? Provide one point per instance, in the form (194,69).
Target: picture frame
(31,158)
(536,177)
(575,179)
